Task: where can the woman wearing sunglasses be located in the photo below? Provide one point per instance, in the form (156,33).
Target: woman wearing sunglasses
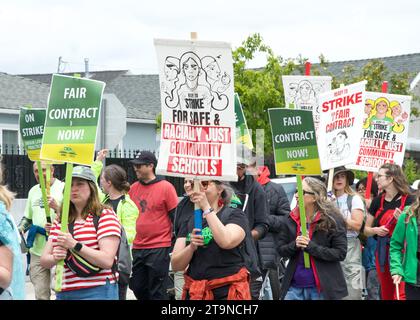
(326,244)
(216,269)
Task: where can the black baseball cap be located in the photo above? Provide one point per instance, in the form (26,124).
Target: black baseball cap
(144,157)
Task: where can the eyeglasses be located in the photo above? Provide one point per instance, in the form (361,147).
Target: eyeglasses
(305,192)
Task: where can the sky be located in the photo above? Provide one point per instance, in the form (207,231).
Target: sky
(118,35)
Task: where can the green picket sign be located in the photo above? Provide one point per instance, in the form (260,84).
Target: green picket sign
(72,119)
(243,135)
(31,129)
(64,224)
(302,213)
(294,142)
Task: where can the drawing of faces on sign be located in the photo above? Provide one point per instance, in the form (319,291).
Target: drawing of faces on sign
(386,116)
(339,148)
(192,82)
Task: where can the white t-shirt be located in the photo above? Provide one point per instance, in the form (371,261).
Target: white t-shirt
(356,203)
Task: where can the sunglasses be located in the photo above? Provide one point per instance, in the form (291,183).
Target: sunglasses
(305,192)
(205,184)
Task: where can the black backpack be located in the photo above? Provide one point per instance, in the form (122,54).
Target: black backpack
(124,260)
(247,248)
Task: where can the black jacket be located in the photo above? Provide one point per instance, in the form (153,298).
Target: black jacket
(256,208)
(279,207)
(326,250)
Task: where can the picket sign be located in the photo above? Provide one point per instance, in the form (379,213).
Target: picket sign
(29,120)
(69,135)
(370,173)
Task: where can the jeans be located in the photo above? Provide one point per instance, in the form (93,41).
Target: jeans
(106,292)
(303,294)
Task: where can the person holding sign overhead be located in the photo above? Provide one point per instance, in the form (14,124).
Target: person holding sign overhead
(35,221)
(216,267)
(326,245)
(384,212)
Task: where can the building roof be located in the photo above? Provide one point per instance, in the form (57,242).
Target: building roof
(106,76)
(394,64)
(17,91)
(140,94)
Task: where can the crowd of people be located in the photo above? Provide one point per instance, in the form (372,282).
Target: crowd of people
(250,245)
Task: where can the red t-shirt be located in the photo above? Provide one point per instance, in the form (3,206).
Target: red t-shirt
(153,227)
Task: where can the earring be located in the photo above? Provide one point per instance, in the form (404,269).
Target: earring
(220,202)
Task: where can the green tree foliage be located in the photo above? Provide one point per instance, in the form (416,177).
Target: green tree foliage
(411,170)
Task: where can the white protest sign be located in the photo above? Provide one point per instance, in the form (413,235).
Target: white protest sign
(340,125)
(385,130)
(302,92)
(198,110)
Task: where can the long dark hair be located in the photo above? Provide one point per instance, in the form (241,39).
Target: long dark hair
(328,210)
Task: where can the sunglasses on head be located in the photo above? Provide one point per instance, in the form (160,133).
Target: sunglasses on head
(305,192)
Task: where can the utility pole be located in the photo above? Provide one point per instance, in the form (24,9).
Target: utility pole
(87,68)
(59,64)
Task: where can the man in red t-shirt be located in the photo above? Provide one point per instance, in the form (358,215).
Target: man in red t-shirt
(157,201)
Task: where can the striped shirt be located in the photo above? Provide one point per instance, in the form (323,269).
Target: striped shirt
(85,233)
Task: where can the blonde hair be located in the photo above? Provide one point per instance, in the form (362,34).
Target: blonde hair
(6,195)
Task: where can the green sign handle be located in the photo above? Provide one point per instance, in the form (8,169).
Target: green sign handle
(302,217)
(43,190)
(64,224)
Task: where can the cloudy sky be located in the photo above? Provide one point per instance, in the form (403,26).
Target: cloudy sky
(119,34)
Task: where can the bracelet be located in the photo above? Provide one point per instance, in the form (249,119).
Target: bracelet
(206,212)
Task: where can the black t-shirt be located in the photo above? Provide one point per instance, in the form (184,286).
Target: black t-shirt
(114,203)
(184,212)
(388,205)
(212,262)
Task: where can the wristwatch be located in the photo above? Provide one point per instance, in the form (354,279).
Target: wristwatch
(206,212)
(78,247)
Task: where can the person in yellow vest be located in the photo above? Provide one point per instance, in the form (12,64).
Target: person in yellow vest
(35,221)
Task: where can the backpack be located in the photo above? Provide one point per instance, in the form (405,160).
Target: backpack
(361,236)
(247,249)
(124,260)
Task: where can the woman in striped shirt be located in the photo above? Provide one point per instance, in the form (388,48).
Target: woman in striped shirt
(95,237)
